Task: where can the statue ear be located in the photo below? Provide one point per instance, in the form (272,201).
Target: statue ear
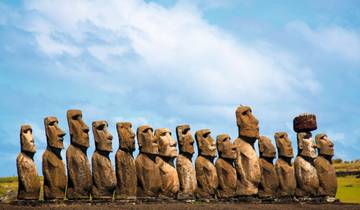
(261,147)
(300,141)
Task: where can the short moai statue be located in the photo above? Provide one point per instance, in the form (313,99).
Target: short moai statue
(184,166)
(205,169)
(147,171)
(269,183)
(53,166)
(165,161)
(29,181)
(247,163)
(225,167)
(103,174)
(284,167)
(78,165)
(125,163)
(323,164)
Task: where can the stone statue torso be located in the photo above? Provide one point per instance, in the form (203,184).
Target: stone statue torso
(286,175)
(206,178)
(169,178)
(306,177)
(187,176)
(148,175)
(327,176)
(125,174)
(269,180)
(29,181)
(226,173)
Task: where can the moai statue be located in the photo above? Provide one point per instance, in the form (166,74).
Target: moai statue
(269,183)
(29,181)
(125,163)
(205,170)
(284,167)
(225,167)
(78,165)
(326,172)
(184,167)
(165,161)
(53,166)
(147,171)
(247,163)
(103,174)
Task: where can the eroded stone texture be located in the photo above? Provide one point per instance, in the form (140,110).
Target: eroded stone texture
(125,163)
(326,172)
(225,167)
(184,167)
(29,181)
(284,167)
(247,163)
(78,165)
(103,174)
(269,183)
(205,170)
(53,166)
(148,172)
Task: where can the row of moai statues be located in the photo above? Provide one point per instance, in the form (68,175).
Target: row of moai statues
(238,171)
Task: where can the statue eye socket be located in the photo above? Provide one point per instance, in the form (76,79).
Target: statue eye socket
(101,127)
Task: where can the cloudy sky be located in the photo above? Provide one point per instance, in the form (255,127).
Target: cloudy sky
(166,63)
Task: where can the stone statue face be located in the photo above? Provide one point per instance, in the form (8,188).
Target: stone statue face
(102,136)
(225,147)
(126,136)
(306,145)
(167,144)
(266,148)
(283,144)
(79,131)
(247,123)
(54,134)
(324,144)
(26,139)
(206,143)
(146,140)
(185,139)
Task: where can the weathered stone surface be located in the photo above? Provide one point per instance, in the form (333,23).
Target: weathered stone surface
(205,170)
(305,123)
(269,184)
(148,172)
(125,163)
(184,167)
(78,166)
(284,167)
(29,181)
(103,174)
(325,171)
(247,163)
(225,167)
(53,166)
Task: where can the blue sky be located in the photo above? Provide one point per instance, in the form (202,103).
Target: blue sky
(166,63)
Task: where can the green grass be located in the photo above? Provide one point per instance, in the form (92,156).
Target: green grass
(348,189)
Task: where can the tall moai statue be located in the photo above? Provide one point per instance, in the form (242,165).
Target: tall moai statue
(205,170)
(305,171)
(125,163)
(165,161)
(225,167)
(184,167)
(284,167)
(147,171)
(269,183)
(53,166)
(78,165)
(29,181)
(103,174)
(247,163)
(323,164)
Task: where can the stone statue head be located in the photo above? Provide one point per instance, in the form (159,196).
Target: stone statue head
(54,134)
(266,148)
(306,146)
(185,139)
(146,140)
(102,136)
(126,136)
(324,144)
(205,143)
(225,147)
(167,144)
(79,131)
(247,124)
(26,139)
(283,144)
